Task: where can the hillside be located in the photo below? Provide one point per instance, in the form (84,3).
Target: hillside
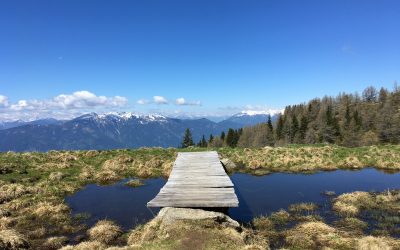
(111,131)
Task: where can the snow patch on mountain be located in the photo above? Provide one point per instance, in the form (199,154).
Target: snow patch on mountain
(271,112)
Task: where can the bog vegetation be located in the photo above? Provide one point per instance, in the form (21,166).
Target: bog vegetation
(33,186)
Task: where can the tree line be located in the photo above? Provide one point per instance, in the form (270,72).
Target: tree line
(347,119)
(229,139)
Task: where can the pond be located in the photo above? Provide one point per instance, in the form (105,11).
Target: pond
(258,195)
(118,202)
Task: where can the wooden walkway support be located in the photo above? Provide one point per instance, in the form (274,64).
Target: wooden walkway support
(198,179)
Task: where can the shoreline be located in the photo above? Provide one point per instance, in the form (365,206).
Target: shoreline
(33,185)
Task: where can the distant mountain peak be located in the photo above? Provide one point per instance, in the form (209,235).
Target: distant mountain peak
(271,112)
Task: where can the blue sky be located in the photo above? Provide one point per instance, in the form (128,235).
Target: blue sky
(62,58)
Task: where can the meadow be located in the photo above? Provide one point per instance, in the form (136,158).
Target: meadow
(33,213)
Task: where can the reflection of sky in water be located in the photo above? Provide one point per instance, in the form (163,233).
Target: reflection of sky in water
(258,195)
(261,195)
(122,204)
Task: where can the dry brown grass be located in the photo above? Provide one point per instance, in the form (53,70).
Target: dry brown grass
(351,225)
(315,235)
(377,243)
(12,240)
(12,191)
(33,185)
(56,176)
(50,211)
(313,158)
(349,204)
(5,222)
(303,207)
(134,183)
(87,173)
(55,242)
(193,234)
(86,245)
(167,168)
(263,223)
(104,231)
(106,176)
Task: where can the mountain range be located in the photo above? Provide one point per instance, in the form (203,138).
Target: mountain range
(113,130)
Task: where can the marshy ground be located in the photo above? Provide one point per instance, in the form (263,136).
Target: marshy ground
(33,212)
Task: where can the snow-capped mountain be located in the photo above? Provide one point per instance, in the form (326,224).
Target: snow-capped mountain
(272,112)
(251,117)
(114,130)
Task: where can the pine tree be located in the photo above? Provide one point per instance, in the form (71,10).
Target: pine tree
(294,129)
(187,139)
(357,119)
(279,128)
(230,138)
(222,136)
(203,142)
(303,127)
(236,138)
(211,138)
(269,122)
(347,117)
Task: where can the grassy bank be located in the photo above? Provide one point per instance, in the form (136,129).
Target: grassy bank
(309,158)
(33,185)
(363,221)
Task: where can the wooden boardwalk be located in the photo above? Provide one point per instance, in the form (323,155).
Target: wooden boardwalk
(198,179)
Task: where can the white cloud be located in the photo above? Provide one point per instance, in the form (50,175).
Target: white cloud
(3,101)
(20,105)
(60,106)
(181,101)
(84,99)
(160,100)
(142,101)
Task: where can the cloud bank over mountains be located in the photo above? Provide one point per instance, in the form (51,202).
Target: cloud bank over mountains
(60,106)
(67,106)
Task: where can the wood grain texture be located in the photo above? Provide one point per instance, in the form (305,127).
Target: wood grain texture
(197,179)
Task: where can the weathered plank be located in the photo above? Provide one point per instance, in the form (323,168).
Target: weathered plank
(197,180)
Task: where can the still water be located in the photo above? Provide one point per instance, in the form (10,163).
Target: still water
(258,195)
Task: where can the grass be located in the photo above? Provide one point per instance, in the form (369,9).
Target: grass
(10,239)
(134,183)
(33,186)
(289,230)
(105,232)
(311,158)
(197,234)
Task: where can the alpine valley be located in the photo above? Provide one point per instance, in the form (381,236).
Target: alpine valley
(114,130)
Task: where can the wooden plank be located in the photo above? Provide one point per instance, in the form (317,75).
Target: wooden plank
(197,180)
